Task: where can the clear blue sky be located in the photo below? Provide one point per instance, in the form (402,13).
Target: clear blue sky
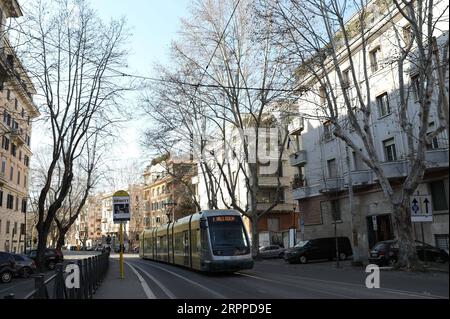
(153,23)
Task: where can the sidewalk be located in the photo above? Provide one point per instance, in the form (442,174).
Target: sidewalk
(113,287)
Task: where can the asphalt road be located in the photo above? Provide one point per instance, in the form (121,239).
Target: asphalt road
(274,279)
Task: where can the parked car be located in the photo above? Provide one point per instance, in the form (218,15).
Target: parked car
(25,266)
(52,257)
(271,251)
(385,253)
(7,267)
(320,248)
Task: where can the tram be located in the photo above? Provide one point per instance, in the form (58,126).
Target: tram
(210,240)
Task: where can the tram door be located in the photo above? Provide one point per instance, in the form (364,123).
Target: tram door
(186,248)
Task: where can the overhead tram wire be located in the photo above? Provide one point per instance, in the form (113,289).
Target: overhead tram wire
(160,80)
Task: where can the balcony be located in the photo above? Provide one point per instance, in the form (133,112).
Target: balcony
(304,192)
(437,158)
(296,126)
(298,158)
(331,184)
(394,169)
(272,181)
(359,178)
(281,207)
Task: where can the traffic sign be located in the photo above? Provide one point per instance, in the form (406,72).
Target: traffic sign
(421,209)
(121,207)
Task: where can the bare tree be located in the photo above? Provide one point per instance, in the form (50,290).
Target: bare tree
(223,79)
(73,56)
(82,185)
(316,37)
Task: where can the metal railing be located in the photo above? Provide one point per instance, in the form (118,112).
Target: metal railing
(91,270)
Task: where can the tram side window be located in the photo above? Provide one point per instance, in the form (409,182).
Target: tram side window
(204,236)
(179,244)
(195,241)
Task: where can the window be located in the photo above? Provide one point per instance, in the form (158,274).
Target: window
(323,95)
(5,143)
(375,59)
(17,203)
(26,160)
(327,134)
(383,105)
(8,94)
(269,195)
(434,144)
(1,198)
(11,173)
(415,86)
(346,79)
(390,153)
(13,149)
(3,165)
(8,226)
(441,241)
(332,168)
(22,113)
(24,205)
(25,181)
(438,195)
(335,210)
(20,155)
(15,104)
(18,177)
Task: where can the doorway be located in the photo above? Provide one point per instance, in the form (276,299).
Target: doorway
(379,228)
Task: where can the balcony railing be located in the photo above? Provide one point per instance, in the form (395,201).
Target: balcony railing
(307,191)
(298,158)
(359,177)
(296,126)
(331,184)
(437,158)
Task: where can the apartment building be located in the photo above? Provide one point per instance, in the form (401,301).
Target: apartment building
(165,196)
(17,110)
(326,169)
(273,226)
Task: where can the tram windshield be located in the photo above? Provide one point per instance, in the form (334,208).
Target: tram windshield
(227,232)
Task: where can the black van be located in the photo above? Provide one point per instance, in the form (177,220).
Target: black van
(319,248)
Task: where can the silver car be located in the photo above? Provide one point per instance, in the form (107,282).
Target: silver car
(271,251)
(25,266)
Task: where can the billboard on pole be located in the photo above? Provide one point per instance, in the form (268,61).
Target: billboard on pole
(121,207)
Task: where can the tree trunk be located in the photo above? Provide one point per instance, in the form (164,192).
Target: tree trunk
(407,257)
(60,241)
(42,245)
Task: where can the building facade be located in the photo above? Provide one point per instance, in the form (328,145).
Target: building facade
(17,110)
(274,225)
(327,170)
(168,190)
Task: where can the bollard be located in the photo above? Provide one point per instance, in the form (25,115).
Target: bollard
(80,291)
(59,285)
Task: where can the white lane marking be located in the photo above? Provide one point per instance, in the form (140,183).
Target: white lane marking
(147,290)
(190,281)
(388,290)
(307,288)
(157,282)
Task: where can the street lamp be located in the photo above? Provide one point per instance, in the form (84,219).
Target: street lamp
(170,204)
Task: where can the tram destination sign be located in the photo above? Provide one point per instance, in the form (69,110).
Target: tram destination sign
(121,207)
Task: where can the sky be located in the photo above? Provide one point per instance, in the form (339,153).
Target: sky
(153,25)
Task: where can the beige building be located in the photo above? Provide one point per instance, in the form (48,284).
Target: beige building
(16,113)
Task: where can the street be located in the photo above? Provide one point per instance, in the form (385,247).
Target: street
(274,279)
